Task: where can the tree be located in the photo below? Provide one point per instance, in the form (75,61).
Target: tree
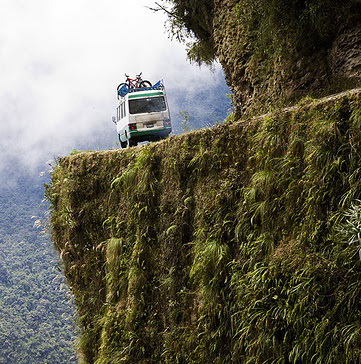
(191,22)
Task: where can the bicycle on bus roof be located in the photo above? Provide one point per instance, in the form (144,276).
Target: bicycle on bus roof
(138,82)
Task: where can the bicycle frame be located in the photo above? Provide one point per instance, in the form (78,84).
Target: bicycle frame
(133,83)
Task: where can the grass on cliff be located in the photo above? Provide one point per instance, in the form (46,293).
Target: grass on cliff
(235,244)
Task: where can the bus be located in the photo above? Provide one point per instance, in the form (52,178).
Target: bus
(142,115)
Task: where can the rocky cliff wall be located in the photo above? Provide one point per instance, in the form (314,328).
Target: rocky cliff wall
(275,52)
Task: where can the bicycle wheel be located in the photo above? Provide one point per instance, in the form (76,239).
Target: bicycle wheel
(145,83)
(121,85)
(122,89)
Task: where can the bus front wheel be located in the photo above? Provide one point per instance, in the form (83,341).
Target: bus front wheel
(122,144)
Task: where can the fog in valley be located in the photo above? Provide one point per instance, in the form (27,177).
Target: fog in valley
(60,64)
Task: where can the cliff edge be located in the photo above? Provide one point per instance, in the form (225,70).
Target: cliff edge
(234,244)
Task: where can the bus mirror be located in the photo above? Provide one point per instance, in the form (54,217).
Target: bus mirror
(114,120)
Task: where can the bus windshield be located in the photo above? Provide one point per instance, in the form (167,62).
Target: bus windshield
(147,105)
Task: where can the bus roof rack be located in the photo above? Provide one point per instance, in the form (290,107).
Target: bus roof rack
(124,89)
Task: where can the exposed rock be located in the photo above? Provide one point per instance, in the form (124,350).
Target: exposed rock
(275,76)
(345,55)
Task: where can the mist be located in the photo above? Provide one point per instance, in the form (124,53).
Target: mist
(61,62)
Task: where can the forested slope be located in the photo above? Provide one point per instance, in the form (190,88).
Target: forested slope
(234,244)
(36,318)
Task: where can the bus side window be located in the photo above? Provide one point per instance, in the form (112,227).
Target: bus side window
(118,113)
(121,111)
(124,110)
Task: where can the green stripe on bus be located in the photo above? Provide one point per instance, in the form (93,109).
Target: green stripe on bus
(133,133)
(144,95)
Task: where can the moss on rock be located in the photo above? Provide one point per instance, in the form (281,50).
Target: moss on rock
(217,246)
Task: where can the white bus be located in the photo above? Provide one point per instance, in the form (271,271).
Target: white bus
(143,115)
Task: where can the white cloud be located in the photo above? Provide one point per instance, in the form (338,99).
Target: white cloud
(60,64)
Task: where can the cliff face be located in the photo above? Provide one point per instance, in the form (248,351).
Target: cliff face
(225,245)
(275,52)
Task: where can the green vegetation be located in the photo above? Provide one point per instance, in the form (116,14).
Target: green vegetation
(234,244)
(193,19)
(36,320)
(273,52)
(281,26)
(268,27)
(185,121)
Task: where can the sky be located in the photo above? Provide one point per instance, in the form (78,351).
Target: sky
(60,64)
